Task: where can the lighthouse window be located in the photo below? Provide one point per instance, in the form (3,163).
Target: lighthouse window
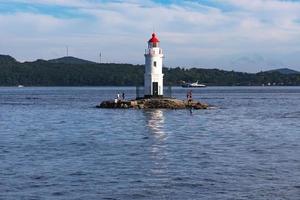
(154,63)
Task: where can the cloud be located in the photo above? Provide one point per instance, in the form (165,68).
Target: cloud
(199,33)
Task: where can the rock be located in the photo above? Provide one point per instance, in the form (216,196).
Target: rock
(196,105)
(107,104)
(164,103)
(153,103)
(133,103)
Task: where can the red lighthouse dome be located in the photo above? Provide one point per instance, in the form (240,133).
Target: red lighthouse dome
(154,39)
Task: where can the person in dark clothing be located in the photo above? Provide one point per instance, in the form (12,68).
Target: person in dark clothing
(123,95)
(189,95)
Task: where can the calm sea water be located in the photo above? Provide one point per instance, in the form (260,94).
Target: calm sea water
(55,145)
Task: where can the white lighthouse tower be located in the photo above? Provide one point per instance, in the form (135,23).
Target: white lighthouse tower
(153,78)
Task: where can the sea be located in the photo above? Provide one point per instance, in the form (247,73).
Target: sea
(55,144)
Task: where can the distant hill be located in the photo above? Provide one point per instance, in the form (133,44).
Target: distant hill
(70,60)
(7,59)
(70,71)
(284,71)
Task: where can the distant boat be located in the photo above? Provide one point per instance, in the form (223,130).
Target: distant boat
(20,86)
(192,85)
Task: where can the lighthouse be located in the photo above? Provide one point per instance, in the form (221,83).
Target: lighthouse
(153,86)
(153,77)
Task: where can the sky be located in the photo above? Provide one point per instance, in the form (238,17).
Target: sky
(239,35)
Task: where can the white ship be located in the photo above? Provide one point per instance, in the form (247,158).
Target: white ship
(192,85)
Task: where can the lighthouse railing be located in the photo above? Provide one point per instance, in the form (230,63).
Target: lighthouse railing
(139,92)
(168,91)
(153,52)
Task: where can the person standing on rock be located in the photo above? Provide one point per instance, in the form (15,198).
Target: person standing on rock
(118,96)
(123,96)
(189,96)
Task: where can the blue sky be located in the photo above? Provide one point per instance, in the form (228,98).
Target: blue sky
(238,35)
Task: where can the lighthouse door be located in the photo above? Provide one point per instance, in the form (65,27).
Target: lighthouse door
(155,88)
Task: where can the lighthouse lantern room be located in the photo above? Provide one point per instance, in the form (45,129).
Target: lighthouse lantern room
(153,77)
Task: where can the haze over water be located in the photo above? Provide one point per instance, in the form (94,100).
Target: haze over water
(55,145)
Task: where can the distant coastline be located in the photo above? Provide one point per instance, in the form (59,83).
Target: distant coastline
(71,71)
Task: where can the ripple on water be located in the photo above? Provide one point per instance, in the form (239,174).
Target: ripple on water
(53,145)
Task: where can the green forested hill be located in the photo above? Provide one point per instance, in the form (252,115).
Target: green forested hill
(71,71)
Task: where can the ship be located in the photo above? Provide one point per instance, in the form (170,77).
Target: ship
(192,85)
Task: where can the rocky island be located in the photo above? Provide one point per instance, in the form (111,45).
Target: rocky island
(153,103)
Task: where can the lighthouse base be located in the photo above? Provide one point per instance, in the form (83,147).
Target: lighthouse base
(153,96)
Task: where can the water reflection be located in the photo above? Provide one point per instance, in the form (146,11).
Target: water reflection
(155,121)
